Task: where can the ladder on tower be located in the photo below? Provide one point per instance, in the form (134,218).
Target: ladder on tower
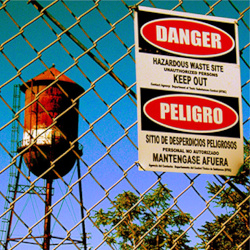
(13,179)
(14,186)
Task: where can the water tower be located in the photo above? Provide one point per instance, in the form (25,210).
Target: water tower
(50,127)
(50,124)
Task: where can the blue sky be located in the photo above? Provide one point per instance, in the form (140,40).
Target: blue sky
(117,170)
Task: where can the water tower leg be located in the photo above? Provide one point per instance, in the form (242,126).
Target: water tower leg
(81,200)
(12,210)
(47,220)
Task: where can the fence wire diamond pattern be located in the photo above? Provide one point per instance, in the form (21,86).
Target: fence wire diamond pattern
(104,202)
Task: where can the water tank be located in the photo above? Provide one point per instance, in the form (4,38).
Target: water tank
(50,141)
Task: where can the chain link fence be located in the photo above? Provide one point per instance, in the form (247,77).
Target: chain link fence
(105,202)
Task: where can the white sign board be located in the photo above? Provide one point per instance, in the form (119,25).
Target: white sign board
(189,93)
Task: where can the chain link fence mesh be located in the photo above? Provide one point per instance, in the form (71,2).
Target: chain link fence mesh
(92,42)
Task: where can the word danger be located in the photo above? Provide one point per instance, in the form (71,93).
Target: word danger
(190,113)
(187,37)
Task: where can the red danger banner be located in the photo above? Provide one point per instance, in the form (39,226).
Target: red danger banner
(187,37)
(190,113)
(189,95)
(171,111)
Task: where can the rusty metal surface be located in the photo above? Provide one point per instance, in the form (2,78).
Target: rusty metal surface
(39,117)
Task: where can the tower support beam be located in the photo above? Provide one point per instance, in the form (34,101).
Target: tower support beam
(47,220)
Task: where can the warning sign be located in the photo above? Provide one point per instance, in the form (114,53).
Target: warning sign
(189,94)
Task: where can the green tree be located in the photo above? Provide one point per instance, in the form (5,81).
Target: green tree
(149,223)
(236,230)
